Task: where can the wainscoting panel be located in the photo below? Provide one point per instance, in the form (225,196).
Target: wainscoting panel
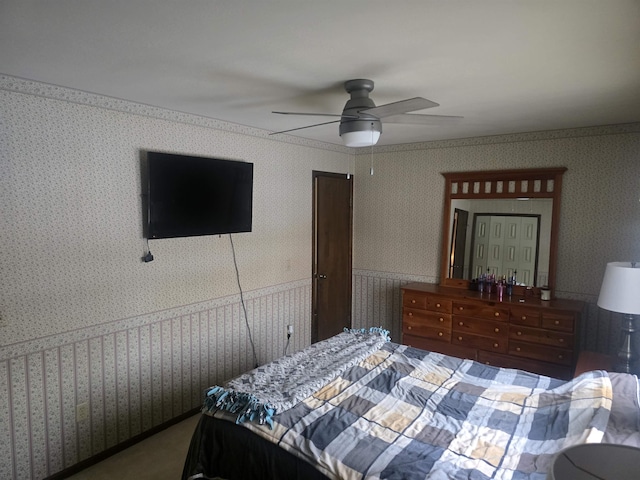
(68,397)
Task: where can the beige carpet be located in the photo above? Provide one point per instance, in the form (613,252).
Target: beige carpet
(158,457)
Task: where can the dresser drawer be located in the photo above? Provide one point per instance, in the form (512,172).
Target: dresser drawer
(427,302)
(480,326)
(558,321)
(427,317)
(438,304)
(493,312)
(414,299)
(525,316)
(541,352)
(480,342)
(540,336)
(426,331)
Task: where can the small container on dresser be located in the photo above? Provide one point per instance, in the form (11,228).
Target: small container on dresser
(537,336)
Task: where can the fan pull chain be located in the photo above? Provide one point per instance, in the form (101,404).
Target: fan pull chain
(371,167)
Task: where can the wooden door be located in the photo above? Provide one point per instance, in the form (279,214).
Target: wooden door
(332,245)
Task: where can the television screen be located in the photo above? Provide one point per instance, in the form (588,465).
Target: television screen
(190,196)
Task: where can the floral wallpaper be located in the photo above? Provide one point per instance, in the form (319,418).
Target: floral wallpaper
(400,231)
(84,322)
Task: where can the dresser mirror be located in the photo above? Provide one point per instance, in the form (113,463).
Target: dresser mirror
(500,222)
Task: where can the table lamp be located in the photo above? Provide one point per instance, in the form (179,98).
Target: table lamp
(620,292)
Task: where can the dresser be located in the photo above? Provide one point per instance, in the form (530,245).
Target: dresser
(521,332)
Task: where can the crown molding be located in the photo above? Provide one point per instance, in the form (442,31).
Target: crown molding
(623,128)
(56,92)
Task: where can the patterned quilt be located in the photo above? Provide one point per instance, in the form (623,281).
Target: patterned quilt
(403,413)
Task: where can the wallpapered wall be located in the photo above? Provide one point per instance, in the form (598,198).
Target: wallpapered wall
(600,213)
(84,321)
(72,219)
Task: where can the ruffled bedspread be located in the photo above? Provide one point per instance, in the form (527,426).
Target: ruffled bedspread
(278,386)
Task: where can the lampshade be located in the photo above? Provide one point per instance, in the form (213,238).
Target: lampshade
(365,138)
(620,291)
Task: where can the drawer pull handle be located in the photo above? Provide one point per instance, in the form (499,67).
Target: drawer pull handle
(413,301)
(518,333)
(410,314)
(517,349)
(495,345)
(460,338)
(441,319)
(438,305)
(560,357)
(440,334)
(497,314)
(524,317)
(460,308)
(461,324)
(497,330)
(561,340)
(409,327)
(557,322)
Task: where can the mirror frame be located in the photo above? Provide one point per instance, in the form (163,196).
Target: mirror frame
(507,184)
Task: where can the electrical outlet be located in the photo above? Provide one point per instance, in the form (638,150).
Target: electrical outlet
(82,412)
(289,329)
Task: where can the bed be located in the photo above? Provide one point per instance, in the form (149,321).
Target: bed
(360,406)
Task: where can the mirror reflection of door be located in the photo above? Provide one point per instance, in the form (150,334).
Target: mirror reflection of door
(504,244)
(541,207)
(458,242)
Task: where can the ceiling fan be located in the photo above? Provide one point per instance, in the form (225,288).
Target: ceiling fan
(361,121)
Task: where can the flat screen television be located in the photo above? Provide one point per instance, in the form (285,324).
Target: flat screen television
(191,196)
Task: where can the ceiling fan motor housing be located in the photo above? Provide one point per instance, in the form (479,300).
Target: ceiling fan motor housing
(359,90)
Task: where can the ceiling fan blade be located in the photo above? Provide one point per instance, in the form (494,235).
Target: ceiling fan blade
(300,128)
(318,114)
(403,106)
(416,119)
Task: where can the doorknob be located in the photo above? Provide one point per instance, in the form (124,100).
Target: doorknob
(321,276)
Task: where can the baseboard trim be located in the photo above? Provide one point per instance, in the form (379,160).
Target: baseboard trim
(78,467)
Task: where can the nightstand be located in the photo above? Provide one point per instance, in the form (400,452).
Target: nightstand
(588,361)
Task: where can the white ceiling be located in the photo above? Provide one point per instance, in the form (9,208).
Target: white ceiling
(507,66)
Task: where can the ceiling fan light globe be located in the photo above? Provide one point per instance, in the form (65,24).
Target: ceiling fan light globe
(365,138)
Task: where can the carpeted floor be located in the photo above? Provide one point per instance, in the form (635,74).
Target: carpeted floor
(160,457)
